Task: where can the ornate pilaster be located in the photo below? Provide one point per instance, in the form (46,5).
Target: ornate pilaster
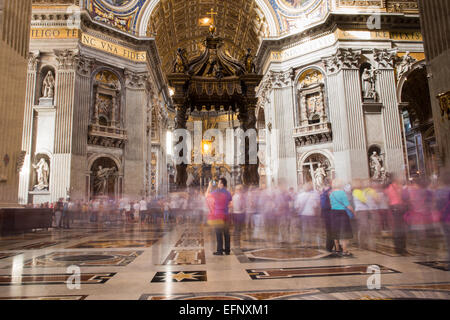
(84,65)
(281,115)
(392,125)
(66,59)
(30,97)
(346,114)
(135,122)
(135,81)
(64,104)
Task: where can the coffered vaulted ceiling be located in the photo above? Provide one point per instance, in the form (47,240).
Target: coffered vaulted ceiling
(176,24)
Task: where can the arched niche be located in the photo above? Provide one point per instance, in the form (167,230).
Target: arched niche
(40,172)
(42,74)
(415,100)
(309,163)
(105,178)
(311,98)
(107,102)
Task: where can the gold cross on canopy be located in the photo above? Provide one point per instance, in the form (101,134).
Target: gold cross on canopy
(212,13)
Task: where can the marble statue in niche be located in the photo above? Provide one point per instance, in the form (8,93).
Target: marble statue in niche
(43,171)
(376,166)
(48,86)
(319,176)
(101,179)
(368,80)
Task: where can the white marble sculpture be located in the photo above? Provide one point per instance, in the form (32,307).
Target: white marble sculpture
(101,179)
(42,170)
(404,65)
(376,165)
(368,80)
(48,86)
(319,176)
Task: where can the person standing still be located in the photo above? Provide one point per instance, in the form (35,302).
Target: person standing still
(222,198)
(238,214)
(398,207)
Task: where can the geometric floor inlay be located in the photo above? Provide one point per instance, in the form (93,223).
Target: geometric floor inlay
(302,272)
(46,279)
(188,242)
(180,276)
(280,254)
(440,265)
(46,298)
(36,246)
(84,259)
(334,293)
(104,244)
(185,257)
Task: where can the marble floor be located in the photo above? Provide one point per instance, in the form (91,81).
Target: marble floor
(155,262)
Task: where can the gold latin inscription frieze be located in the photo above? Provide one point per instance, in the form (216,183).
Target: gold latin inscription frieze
(379,35)
(54,33)
(117,50)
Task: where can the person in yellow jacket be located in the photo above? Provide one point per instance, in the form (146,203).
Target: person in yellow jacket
(364,199)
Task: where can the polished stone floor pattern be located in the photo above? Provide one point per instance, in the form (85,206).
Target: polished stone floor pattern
(176,262)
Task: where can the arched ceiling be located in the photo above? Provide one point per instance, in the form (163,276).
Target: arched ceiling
(177,24)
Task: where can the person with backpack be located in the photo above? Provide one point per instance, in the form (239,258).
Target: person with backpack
(341,212)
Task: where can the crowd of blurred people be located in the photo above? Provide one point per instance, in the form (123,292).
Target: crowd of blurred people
(333,217)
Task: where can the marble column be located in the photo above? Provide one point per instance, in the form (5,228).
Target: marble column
(81,119)
(247,119)
(392,123)
(64,103)
(14,44)
(136,127)
(346,115)
(435,30)
(27,135)
(282,119)
(180,123)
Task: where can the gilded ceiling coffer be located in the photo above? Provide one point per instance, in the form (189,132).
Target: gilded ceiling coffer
(214,79)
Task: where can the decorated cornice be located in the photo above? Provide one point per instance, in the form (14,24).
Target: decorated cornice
(353,21)
(343,59)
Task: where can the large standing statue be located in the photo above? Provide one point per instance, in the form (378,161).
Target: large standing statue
(250,66)
(368,80)
(405,65)
(42,170)
(319,176)
(101,179)
(376,165)
(48,86)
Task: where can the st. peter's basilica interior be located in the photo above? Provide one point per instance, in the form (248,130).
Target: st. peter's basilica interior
(224,150)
